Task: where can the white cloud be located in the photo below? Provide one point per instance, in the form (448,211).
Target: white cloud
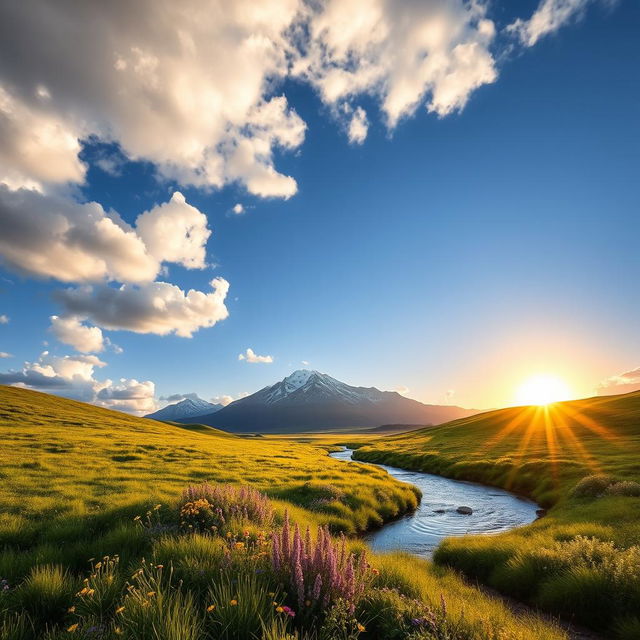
(73,377)
(238,209)
(403,52)
(4,354)
(53,237)
(187,86)
(402,390)
(175,232)
(359,126)
(622,383)
(549,16)
(254,358)
(4,319)
(70,330)
(304,362)
(156,307)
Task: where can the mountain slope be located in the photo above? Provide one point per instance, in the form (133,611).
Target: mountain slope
(187,408)
(309,400)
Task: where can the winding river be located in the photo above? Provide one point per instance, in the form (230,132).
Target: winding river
(494,511)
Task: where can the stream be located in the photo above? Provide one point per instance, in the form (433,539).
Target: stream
(420,532)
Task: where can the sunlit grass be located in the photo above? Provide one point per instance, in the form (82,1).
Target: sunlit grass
(580,459)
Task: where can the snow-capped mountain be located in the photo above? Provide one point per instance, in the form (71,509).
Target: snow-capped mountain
(184,410)
(310,400)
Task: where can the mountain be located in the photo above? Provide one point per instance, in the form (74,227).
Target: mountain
(309,400)
(185,410)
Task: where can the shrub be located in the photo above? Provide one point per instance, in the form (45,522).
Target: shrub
(624,488)
(340,623)
(212,508)
(592,486)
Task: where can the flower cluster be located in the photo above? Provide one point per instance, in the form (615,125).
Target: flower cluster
(208,508)
(318,572)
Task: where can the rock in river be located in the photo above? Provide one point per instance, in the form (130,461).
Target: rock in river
(466,511)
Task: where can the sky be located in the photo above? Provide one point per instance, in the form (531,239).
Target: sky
(438,198)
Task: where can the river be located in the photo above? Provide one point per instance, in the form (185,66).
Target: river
(420,532)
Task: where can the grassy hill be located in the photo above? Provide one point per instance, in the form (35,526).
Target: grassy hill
(97,542)
(580,459)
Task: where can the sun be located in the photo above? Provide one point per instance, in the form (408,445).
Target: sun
(542,390)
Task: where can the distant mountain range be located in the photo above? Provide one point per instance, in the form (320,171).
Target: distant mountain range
(311,401)
(184,410)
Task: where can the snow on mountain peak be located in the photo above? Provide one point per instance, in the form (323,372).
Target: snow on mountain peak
(297,379)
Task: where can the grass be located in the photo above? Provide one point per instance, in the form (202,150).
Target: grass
(98,538)
(581,460)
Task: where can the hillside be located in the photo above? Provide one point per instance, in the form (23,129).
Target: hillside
(581,460)
(312,401)
(81,559)
(61,456)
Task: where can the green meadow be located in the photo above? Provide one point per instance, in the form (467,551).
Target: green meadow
(99,540)
(581,461)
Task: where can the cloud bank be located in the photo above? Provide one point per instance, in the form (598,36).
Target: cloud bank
(254,358)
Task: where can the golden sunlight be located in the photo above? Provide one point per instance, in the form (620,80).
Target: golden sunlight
(542,390)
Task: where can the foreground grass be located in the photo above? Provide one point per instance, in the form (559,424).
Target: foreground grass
(97,542)
(579,459)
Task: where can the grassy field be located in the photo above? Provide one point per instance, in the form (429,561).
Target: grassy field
(581,460)
(98,540)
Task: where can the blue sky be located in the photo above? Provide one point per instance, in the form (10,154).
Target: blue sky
(451,255)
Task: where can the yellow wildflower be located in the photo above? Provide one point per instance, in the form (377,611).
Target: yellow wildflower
(150,594)
(72,628)
(279,609)
(361,627)
(98,565)
(71,609)
(119,609)
(210,608)
(234,603)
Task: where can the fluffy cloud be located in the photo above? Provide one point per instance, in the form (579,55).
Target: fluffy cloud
(156,307)
(238,209)
(4,354)
(175,232)
(359,126)
(405,53)
(71,331)
(54,237)
(547,18)
(73,377)
(187,86)
(623,383)
(4,319)
(254,358)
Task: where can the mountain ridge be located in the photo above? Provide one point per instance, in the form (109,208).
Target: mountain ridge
(185,409)
(307,400)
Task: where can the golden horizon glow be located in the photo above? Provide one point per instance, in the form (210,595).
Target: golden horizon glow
(542,390)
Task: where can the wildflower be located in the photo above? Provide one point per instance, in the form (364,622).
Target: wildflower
(72,628)
(137,518)
(361,628)
(159,566)
(150,594)
(210,608)
(119,609)
(279,609)
(157,507)
(118,631)
(228,534)
(289,611)
(239,545)
(375,572)
(71,610)
(98,565)
(90,592)
(234,603)
(245,533)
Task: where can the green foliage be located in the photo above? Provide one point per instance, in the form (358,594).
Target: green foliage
(46,594)
(581,560)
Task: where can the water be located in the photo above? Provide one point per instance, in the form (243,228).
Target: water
(494,511)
